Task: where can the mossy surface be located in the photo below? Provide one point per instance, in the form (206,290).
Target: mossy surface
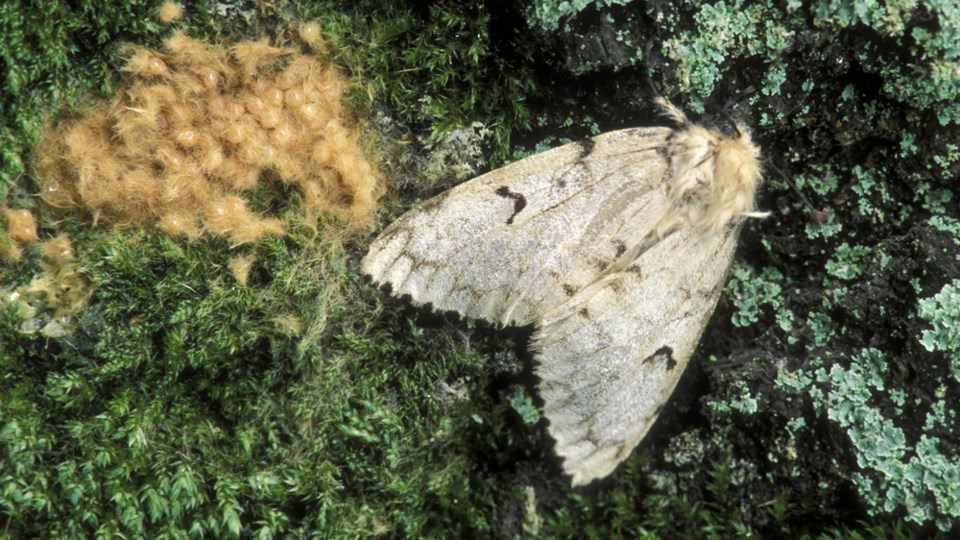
(152,386)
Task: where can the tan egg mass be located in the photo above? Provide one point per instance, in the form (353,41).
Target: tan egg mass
(21,228)
(192,129)
(170,12)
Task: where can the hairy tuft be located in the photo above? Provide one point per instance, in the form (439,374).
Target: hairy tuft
(712,178)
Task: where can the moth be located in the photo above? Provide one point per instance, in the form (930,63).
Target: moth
(616,248)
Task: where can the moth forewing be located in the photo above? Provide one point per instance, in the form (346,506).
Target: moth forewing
(616,248)
(508,245)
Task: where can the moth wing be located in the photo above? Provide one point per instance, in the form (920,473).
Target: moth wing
(501,248)
(610,357)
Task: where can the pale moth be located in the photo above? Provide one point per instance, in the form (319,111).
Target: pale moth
(615,248)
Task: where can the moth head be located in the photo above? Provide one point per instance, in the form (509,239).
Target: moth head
(738,174)
(712,177)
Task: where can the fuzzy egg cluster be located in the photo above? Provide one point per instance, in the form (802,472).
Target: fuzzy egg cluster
(193,128)
(21,228)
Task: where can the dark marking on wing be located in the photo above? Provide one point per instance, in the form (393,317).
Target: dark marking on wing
(586,148)
(662,352)
(519,201)
(621,247)
(671,363)
(584,313)
(569,289)
(636,270)
(664,150)
(616,286)
(601,265)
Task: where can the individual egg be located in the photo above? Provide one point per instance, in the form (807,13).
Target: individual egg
(234,109)
(273,96)
(58,249)
(171,12)
(21,225)
(187,138)
(156,66)
(217,107)
(255,104)
(179,114)
(269,118)
(287,79)
(310,32)
(293,97)
(169,159)
(234,133)
(282,135)
(212,158)
(211,79)
(178,224)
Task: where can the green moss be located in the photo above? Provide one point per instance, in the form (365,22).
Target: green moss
(613,512)
(41,45)
(181,401)
(436,66)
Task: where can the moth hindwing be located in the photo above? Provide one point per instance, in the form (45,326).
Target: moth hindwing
(616,248)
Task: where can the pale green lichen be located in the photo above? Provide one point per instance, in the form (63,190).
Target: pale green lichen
(727,30)
(947,224)
(912,49)
(795,381)
(942,311)
(933,200)
(751,292)
(522,404)
(823,326)
(873,193)
(946,160)
(550,15)
(742,401)
(848,262)
(826,229)
(895,475)
(724,31)
(889,17)
(931,78)
(824,180)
